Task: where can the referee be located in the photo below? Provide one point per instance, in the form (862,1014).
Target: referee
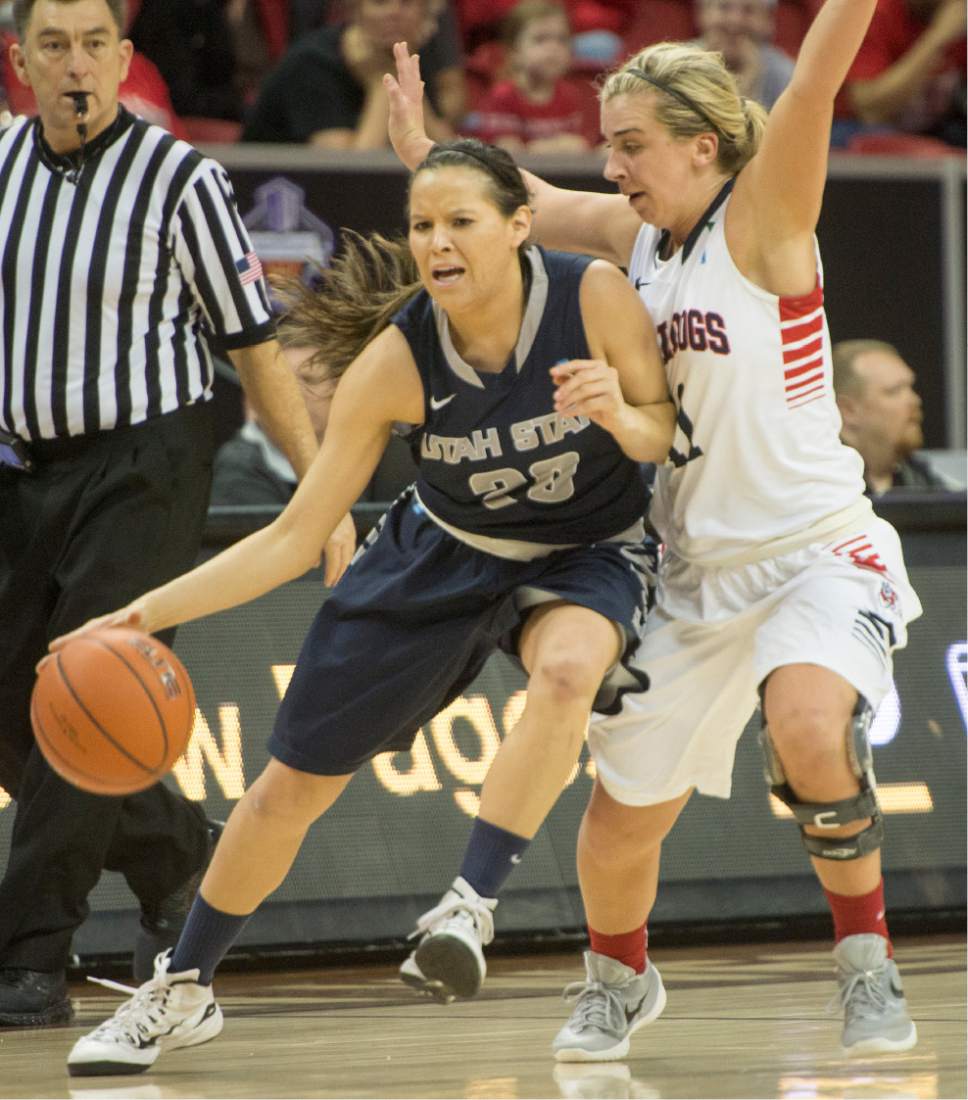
(123,262)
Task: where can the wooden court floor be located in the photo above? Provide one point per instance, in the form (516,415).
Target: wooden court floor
(741,1021)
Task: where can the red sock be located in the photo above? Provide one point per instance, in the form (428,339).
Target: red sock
(858,915)
(628,948)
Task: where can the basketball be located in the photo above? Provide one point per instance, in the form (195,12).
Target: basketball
(113,710)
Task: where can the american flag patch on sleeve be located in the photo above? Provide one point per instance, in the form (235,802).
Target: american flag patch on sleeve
(249,268)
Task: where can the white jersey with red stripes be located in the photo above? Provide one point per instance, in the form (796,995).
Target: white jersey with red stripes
(757,454)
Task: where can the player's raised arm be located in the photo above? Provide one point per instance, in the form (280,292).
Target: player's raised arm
(781,189)
(582,221)
(574,221)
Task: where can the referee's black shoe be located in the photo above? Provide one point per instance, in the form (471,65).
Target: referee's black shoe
(33,998)
(162,921)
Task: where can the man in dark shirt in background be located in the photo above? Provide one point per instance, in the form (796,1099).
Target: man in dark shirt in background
(328,89)
(881,412)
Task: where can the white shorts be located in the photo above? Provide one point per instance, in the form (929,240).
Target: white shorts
(717,633)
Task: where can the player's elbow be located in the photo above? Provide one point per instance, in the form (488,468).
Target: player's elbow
(294,546)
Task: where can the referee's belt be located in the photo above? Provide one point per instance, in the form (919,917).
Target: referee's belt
(72,446)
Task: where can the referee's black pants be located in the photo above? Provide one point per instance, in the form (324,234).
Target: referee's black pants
(104,519)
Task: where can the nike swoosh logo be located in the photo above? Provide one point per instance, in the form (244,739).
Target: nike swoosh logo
(631,1013)
(435,404)
(639,283)
(144,1044)
(897,990)
(515,859)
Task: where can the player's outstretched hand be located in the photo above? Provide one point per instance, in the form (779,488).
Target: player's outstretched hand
(590,387)
(406,123)
(133,615)
(340,550)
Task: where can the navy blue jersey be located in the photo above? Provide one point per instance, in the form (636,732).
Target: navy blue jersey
(414,618)
(495,458)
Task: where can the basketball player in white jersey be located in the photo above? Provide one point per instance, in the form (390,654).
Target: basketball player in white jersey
(778,581)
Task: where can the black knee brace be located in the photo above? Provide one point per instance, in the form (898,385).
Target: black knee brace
(831,815)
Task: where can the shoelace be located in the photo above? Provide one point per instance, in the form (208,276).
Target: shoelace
(598,1006)
(475,912)
(148,1000)
(863,994)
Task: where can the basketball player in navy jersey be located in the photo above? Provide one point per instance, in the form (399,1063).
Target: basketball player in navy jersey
(777,582)
(533,386)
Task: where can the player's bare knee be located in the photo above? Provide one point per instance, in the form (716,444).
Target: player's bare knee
(819,771)
(811,733)
(618,836)
(811,742)
(286,798)
(606,852)
(562,681)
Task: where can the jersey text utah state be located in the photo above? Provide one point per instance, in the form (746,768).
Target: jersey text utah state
(495,457)
(526,435)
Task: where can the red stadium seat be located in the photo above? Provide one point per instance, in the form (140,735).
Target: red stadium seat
(487,60)
(900,145)
(584,85)
(481,69)
(793,17)
(212,131)
(19,98)
(477,87)
(660,21)
(274,21)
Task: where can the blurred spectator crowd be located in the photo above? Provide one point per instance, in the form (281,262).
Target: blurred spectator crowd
(521,73)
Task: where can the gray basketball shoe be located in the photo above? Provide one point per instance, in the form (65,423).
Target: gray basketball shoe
(611,1004)
(876,1019)
(170,1011)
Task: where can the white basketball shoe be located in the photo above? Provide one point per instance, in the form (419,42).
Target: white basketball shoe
(167,1012)
(454,934)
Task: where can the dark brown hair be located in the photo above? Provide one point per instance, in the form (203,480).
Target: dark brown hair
(353,301)
(22,10)
(506,184)
(374,277)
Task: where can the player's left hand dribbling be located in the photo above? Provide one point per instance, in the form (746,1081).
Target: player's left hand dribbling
(134,615)
(589,387)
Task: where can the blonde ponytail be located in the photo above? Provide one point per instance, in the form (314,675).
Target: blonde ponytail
(694,93)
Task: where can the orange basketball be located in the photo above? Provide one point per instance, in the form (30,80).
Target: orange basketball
(113,710)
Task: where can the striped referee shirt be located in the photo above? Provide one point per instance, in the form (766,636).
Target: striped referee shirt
(115,278)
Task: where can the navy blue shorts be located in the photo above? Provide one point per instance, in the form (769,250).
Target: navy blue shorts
(413,620)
